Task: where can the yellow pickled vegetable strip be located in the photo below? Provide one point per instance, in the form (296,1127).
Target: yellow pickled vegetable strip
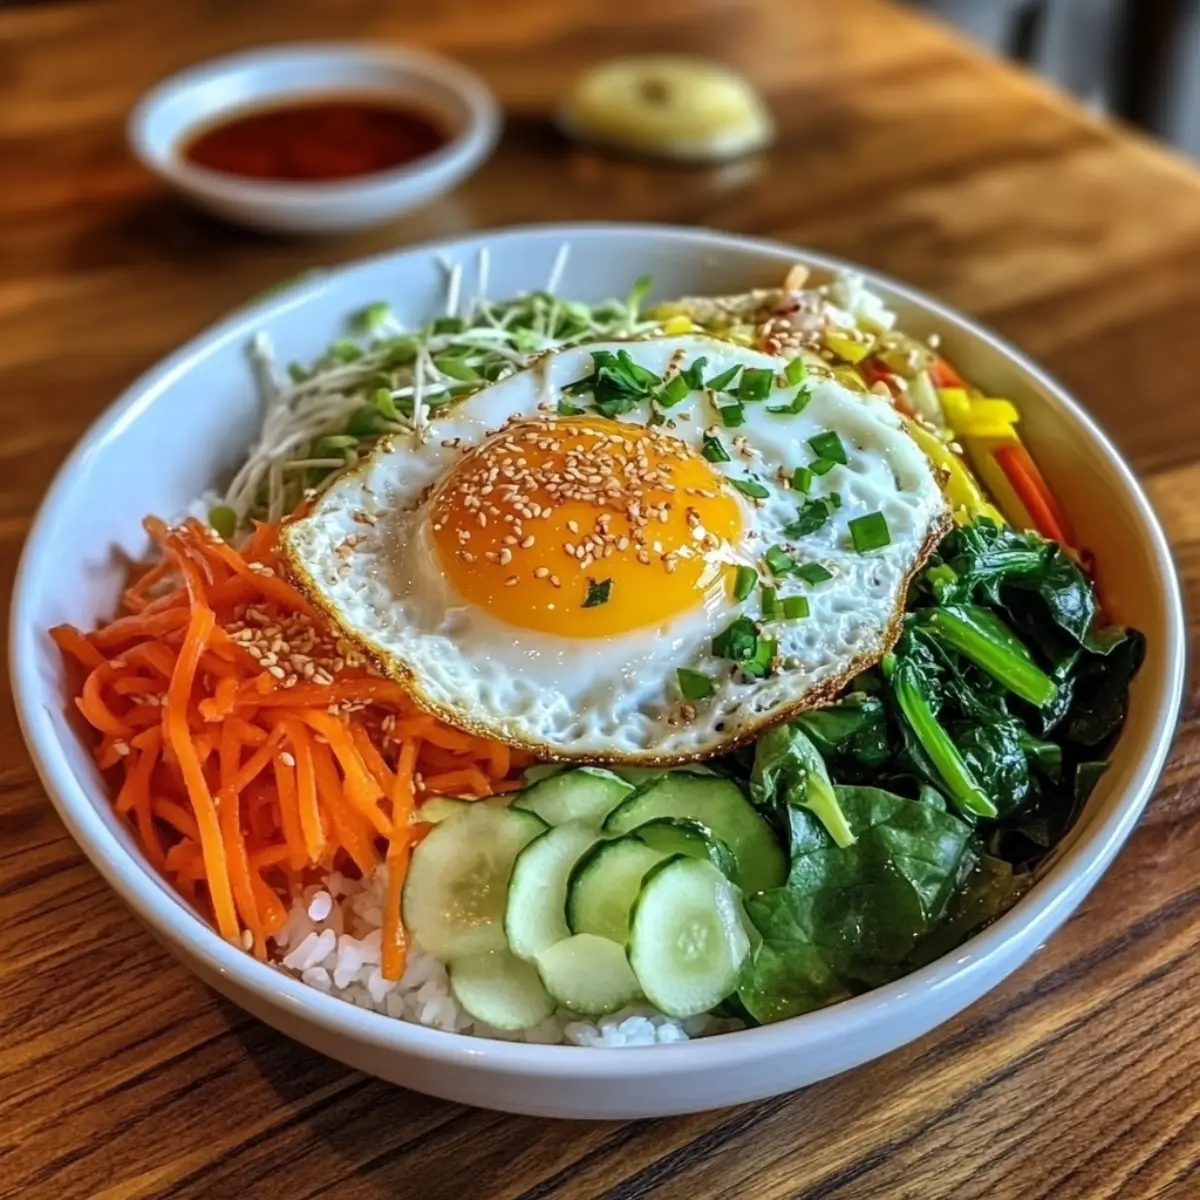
(990,474)
(965,495)
(847,347)
(977,416)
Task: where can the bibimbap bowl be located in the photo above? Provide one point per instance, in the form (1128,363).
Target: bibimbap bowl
(185,427)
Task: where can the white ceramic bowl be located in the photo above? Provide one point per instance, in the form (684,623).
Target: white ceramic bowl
(163,118)
(187,421)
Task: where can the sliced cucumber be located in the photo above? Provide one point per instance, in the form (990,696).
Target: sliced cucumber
(721,807)
(501,990)
(688,937)
(435,811)
(588,974)
(604,885)
(536,914)
(457,881)
(540,771)
(639,775)
(586,794)
(672,835)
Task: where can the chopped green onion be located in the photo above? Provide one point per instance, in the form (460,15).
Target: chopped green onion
(751,488)
(737,641)
(770,603)
(802,479)
(712,450)
(637,293)
(797,404)
(598,593)
(755,384)
(743,582)
(795,608)
(821,466)
(828,445)
(813,572)
(386,405)
(869,532)
(759,663)
(732,415)
(720,383)
(812,516)
(673,391)
(223,520)
(795,372)
(779,561)
(568,410)
(835,499)
(694,685)
(693,375)
(373,316)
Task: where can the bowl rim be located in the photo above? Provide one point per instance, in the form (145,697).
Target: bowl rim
(1036,915)
(469,143)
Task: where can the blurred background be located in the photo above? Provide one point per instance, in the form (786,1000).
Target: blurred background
(1136,59)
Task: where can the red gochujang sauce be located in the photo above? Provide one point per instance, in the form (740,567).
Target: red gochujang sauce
(318,139)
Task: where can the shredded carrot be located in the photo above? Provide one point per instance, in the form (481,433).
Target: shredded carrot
(244,783)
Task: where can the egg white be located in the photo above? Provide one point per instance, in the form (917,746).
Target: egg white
(365,554)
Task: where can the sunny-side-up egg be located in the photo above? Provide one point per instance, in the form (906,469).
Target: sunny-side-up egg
(639,551)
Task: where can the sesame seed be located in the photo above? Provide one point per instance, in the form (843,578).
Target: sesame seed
(286,758)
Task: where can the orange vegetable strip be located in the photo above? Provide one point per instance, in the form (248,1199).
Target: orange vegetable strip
(1021,471)
(499,758)
(229,808)
(500,786)
(138,778)
(91,703)
(257,762)
(289,814)
(304,695)
(370,755)
(175,725)
(943,375)
(349,827)
(260,542)
(306,789)
(466,779)
(134,596)
(394,943)
(175,815)
(268,856)
(124,630)
(274,915)
(249,734)
(139,685)
(70,641)
(153,655)
(359,786)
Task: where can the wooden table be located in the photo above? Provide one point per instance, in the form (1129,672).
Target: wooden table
(120,1075)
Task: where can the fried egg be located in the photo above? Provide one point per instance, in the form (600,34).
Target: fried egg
(557,561)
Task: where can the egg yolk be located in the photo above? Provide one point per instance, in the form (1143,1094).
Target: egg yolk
(582,526)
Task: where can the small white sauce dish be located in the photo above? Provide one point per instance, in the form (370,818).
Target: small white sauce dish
(164,119)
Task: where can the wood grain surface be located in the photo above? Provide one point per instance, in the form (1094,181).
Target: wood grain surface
(122,1076)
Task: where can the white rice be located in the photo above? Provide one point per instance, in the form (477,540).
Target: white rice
(332,942)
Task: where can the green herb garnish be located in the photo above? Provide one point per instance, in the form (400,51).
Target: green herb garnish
(802,479)
(597,593)
(828,445)
(759,663)
(732,415)
(673,391)
(751,488)
(720,383)
(345,351)
(618,384)
(568,410)
(770,603)
(812,572)
(456,368)
(812,516)
(743,582)
(797,404)
(835,500)
(821,466)
(693,375)
(694,685)
(737,641)
(712,450)
(755,384)
(795,608)
(795,372)
(779,561)
(869,532)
